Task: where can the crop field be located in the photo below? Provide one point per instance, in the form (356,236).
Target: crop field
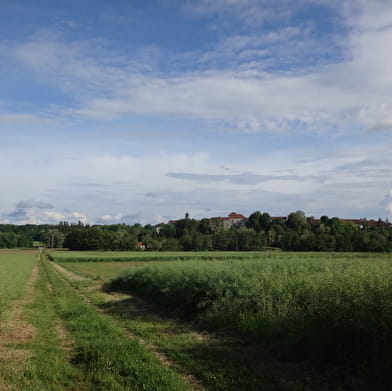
(122,256)
(328,309)
(15,269)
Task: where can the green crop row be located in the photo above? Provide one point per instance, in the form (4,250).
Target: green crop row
(118,256)
(147,256)
(328,310)
(15,269)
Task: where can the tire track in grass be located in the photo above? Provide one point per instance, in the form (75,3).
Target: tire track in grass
(50,367)
(61,331)
(109,358)
(67,273)
(71,278)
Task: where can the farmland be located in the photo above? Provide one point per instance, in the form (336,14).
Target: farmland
(50,339)
(137,256)
(195,321)
(15,269)
(312,309)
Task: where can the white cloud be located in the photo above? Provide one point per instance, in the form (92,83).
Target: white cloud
(353,93)
(349,183)
(110,218)
(55,216)
(250,12)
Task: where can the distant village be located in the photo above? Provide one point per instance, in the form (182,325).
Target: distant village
(238,220)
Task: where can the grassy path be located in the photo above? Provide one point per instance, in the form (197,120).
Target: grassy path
(107,356)
(52,340)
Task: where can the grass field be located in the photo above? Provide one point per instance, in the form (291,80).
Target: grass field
(203,321)
(102,270)
(15,269)
(52,340)
(331,309)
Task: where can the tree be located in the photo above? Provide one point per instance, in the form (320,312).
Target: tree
(265,221)
(296,219)
(53,238)
(254,221)
(204,227)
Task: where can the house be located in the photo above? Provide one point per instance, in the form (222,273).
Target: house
(140,246)
(233,219)
(279,218)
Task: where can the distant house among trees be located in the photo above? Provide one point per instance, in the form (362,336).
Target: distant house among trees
(140,246)
(234,219)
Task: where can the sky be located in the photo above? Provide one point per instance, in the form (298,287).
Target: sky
(141,111)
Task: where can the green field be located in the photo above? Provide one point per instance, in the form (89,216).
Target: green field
(121,256)
(196,321)
(330,309)
(326,309)
(15,269)
(52,340)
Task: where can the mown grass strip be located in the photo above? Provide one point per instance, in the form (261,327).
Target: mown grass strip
(49,367)
(109,359)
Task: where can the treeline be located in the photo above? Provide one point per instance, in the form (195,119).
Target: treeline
(11,239)
(294,233)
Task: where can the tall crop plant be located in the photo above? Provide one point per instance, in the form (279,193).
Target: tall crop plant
(327,310)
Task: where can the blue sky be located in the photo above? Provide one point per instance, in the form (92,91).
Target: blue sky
(141,111)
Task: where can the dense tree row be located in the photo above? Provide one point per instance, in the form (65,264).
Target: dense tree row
(11,239)
(294,233)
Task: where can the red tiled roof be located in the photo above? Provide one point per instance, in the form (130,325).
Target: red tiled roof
(234,215)
(355,221)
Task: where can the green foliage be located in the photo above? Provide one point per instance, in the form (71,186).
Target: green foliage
(325,309)
(296,233)
(53,238)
